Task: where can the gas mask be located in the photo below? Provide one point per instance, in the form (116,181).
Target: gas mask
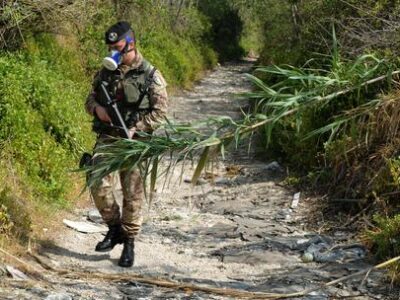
(114,59)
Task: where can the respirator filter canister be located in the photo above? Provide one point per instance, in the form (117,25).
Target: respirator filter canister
(113,60)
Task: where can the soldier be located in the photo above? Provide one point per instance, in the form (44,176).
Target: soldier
(140,93)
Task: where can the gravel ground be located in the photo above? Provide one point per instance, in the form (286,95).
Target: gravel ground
(238,231)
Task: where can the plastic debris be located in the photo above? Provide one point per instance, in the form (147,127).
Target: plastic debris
(296,200)
(16,274)
(85,227)
(321,250)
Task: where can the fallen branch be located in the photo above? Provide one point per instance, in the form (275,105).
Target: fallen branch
(191,287)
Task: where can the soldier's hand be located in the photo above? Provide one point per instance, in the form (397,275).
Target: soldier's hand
(102,114)
(132,132)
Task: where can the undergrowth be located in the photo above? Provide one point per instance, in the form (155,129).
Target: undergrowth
(385,242)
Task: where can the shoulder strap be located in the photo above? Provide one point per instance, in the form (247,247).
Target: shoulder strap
(147,83)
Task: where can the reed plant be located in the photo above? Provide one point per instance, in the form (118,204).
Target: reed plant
(343,89)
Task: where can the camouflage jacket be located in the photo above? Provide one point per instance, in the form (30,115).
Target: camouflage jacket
(153,108)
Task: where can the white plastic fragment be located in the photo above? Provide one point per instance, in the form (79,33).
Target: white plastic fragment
(85,227)
(16,274)
(296,200)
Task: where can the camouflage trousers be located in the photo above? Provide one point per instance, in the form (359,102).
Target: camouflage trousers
(104,195)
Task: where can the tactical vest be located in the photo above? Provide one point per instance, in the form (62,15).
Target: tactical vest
(129,91)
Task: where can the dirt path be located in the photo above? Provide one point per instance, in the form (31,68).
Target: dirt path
(239,232)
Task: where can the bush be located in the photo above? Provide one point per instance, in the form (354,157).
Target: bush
(385,242)
(41,117)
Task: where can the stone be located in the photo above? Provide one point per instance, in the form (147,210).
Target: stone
(186,251)
(200,181)
(316,295)
(167,241)
(222,181)
(273,166)
(59,296)
(307,257)
(284,214)
(94,216)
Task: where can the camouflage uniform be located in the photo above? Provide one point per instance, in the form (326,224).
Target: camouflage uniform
(131,182)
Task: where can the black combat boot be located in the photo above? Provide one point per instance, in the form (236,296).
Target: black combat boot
(113,237)
(128,255)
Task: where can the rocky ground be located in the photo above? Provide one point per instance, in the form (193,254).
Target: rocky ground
(239,228)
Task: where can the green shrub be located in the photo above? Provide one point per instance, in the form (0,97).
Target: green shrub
(385,242)
(42,117)
(394,169)
(386,238)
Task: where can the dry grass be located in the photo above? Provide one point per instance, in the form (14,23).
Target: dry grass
(363,167)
